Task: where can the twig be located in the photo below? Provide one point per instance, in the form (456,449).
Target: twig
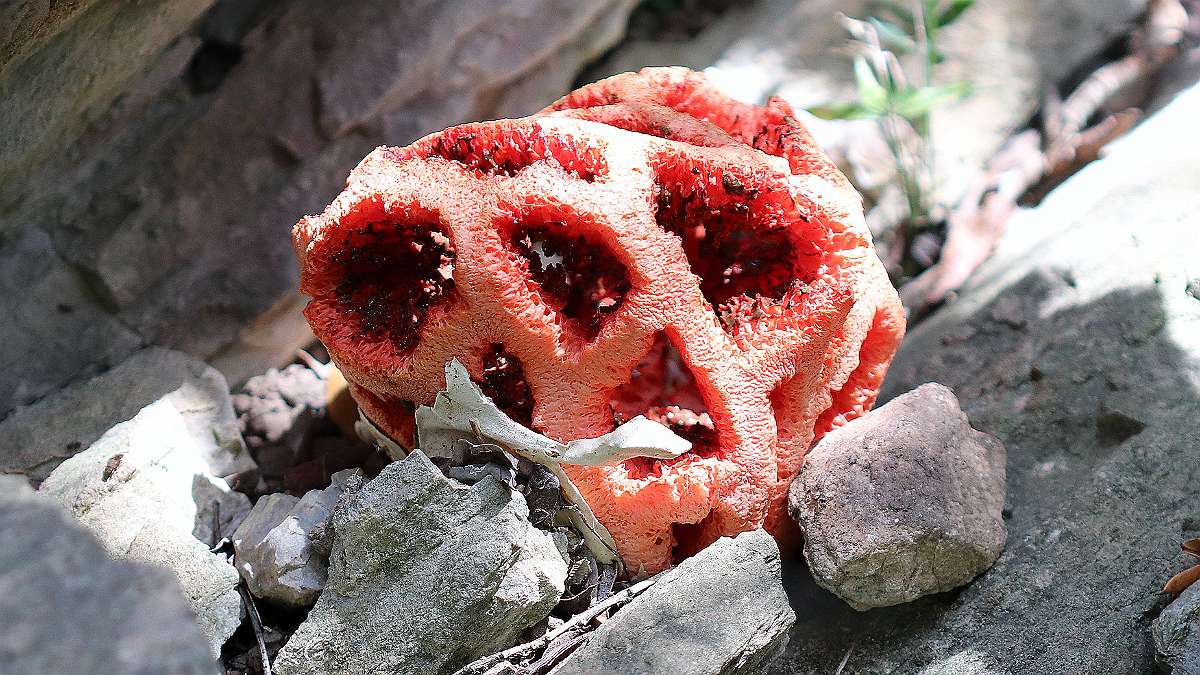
(1154,43)
(845,660)
(215,535)
(1084,149)
(321,369)
(256,624)
(554,653)
(579,621)
(976,225)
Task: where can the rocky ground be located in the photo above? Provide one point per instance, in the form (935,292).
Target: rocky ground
(231,513)
(1078,346)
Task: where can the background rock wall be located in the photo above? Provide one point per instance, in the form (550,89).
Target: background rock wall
(153,157)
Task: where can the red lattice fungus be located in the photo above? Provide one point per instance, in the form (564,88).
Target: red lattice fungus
(643,246)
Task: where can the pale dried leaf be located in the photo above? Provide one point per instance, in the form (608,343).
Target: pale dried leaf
(462,411)
(639,437)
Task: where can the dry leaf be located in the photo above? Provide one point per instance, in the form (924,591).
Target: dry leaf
(1180,582)
(1192,548)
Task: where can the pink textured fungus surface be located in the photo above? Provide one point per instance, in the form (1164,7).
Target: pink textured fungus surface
(643,246)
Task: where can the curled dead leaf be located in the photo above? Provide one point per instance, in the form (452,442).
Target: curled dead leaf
(1192,548)
(1180,582)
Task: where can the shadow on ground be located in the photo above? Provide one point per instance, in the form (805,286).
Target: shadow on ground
(1096,405)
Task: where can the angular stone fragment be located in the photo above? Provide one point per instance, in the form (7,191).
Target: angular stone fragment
(425,576)
(61,593)
(136,489)
(903,502)
(1177,633)
(721,611)
(38,437)
(282,547)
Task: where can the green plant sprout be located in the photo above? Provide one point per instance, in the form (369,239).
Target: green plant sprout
(885,93)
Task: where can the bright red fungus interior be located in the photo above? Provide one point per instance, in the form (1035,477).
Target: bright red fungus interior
(645,245)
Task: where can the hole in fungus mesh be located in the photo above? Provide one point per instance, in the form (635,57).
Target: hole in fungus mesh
(689,538)
(504,382)
(663,389)
(736,240)
(497,151)
(390,274)
(584,281)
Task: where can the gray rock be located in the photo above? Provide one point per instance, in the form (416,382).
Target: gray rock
(154,240)
(282,547)
(136,489)
(48,311)
(1177,633)
(38,437)
(425,576)
(720,611)
(1078,346)
(902,502)
(220,510)
(97,47)
(67,607)
(473,473)
(24,26)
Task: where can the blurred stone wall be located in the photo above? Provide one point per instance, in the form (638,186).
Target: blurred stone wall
(155,154)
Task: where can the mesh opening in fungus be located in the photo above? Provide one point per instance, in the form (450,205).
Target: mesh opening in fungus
(481,149)
(742,261)
(390,274)
(663,389)
(504,382)
(582,280)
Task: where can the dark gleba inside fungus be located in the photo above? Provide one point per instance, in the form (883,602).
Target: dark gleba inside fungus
(643,246)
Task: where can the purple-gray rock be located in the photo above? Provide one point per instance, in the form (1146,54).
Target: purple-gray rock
(283,545)
(902,502)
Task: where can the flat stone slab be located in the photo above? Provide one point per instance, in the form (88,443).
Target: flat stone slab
(425,576)
(721,611)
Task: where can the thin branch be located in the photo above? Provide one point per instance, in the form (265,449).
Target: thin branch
(256,624)
(577,622)
(845,660)
(976,225)
(321,369)
(555,652)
